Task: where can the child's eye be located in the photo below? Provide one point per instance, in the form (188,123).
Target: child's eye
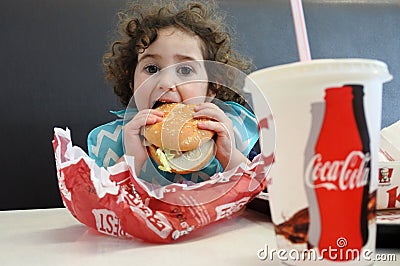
(185,70)
(151,69)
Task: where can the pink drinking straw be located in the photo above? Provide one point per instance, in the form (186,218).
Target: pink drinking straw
(301,31)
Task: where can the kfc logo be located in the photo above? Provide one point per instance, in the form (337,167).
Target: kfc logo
(385,174)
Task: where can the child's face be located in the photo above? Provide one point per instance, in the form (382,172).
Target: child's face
(176,48)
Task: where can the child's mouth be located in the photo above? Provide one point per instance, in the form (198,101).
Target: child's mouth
(160,102)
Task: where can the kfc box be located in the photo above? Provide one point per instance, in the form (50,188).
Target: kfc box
(388,194)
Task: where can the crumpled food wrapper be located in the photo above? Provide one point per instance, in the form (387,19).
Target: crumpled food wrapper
(114,201)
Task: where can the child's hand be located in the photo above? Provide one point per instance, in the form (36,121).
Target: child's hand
(226,152)
(132,130)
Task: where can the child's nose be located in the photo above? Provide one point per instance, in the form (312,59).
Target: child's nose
(167,81)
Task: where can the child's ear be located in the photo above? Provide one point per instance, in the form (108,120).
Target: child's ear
(211,93)
(210,96)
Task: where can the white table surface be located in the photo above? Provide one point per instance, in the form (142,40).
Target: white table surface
(54,237)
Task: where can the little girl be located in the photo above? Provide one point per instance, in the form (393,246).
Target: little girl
(179,36)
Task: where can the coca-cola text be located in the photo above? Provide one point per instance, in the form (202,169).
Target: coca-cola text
(339,174)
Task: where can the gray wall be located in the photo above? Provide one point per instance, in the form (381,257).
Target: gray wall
(51,71)
(336,29)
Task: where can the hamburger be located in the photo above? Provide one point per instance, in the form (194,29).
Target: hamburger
(176,144)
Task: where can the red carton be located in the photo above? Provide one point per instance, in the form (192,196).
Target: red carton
(388,194)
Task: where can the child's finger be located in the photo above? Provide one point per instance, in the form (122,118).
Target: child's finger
(156,112)
(152,119)
(205,105)
(149,116)
(143,118)
(215,126)
(211,113)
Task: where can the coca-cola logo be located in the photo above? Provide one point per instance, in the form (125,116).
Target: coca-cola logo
(347,174)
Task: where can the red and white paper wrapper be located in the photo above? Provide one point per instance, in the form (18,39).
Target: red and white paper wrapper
(114,201)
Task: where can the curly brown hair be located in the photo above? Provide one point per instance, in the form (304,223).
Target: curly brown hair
(138,28)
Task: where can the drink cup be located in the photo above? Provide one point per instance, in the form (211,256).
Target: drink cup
(323,180)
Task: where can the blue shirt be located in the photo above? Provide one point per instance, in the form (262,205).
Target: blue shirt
(105,145)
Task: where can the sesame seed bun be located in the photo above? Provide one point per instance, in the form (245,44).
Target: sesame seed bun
(177,134)
(178,130)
